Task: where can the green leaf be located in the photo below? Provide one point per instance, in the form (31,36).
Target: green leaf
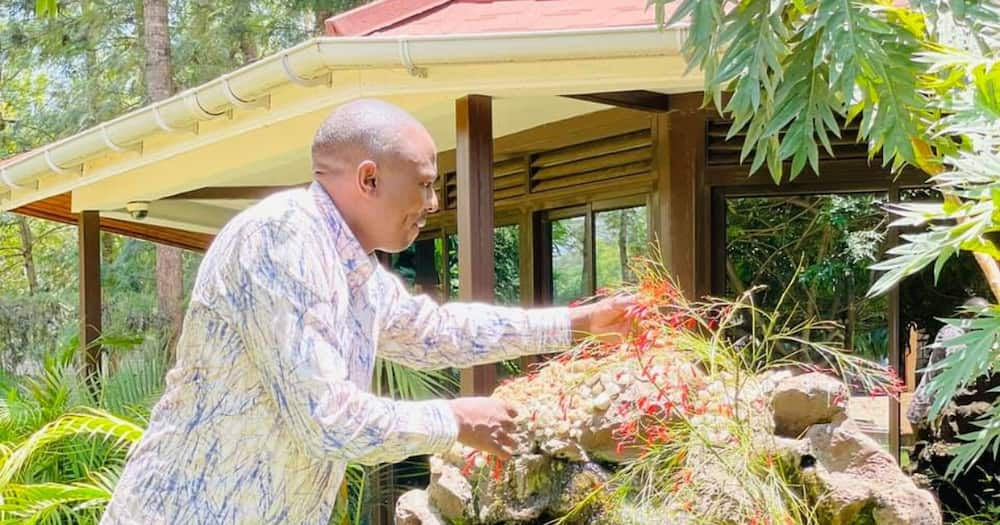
(46,8)
(964,365)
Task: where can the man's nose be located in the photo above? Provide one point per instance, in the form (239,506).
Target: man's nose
(431,204)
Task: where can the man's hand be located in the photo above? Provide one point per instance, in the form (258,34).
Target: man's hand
(485,424)
(604,319)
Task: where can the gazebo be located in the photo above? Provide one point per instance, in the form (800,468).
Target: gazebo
(542,110)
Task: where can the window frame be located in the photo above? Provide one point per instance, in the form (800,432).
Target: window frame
(544,274)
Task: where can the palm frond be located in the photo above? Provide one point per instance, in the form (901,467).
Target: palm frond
(400,382)
(137,384)
(85,422)
(51,502)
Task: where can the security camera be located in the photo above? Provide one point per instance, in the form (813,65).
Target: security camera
(138,209)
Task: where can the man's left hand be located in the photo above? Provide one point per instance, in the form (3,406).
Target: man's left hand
(605,319)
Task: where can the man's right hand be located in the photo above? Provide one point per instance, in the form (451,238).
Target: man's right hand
(485,424)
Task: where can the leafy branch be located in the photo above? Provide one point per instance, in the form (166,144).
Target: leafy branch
(924,80)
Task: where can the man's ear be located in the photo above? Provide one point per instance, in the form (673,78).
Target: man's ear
(367,177)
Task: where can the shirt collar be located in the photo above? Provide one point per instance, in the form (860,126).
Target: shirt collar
(358,264)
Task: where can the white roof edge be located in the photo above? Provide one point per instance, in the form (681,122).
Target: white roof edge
(312,63)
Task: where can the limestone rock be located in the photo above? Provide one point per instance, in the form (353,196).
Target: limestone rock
(853,478)
(805,400)
(449,491)
(569,416)
(414,508)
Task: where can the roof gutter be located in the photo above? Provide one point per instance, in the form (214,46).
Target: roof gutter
(312,63)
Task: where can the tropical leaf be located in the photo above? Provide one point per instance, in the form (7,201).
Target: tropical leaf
(977,443)
(86,422)
(52,502)
(400,382)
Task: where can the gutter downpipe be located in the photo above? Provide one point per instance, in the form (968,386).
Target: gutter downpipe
(314,63)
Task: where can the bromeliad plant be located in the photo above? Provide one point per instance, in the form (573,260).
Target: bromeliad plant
(923,77)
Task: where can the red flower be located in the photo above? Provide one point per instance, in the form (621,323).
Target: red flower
(497,470)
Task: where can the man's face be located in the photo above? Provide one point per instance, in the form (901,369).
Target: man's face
(404,194)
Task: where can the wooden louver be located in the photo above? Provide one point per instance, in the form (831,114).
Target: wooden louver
(723,152)
(608,158)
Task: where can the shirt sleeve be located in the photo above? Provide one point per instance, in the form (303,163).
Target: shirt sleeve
(289,305)
(421,334)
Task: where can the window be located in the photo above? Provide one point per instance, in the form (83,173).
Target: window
(422,268)
(506,261)
(591,247)
(621,236)
(569,261)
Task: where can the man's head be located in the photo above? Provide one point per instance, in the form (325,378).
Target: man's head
(378,164)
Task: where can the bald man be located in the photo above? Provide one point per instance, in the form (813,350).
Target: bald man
(269,399)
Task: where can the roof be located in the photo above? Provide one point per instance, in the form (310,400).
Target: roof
(435,17)
(251,127)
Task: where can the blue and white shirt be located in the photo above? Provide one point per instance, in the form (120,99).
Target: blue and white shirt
(269,399)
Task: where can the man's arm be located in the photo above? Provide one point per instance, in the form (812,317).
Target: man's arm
(291,313)
(419,333)
(422,334)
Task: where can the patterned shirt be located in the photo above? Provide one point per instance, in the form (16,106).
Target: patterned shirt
(269,399)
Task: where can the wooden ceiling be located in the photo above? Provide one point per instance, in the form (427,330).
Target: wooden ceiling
(57,208)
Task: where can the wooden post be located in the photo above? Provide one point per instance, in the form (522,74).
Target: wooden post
(685,220)
(474,170)
(89,234)
(427,277)
(895,357)
(527,264)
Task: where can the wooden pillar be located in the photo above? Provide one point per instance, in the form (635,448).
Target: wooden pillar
(89,234)
(683,198)
(474,170)
(426,274)
(527,252)
(895,356)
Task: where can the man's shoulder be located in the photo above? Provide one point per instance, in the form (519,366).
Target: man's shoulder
(288,210)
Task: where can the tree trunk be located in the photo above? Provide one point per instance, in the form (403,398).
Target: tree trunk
(160,85)
(90,63)
(107,249)
(623,244)
(248,48)
(27,252)
(156,37)
(319,29)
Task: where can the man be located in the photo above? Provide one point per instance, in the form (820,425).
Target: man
(269,398)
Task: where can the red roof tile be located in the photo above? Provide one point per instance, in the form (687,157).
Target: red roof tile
(433,17)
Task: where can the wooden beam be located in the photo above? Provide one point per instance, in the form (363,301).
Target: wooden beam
(560,134)
(528,263)
(232,192)
(89,235)
(684,222)
(895,356)
(57,208)
(858,175)
(638,99)
(474,170)
(426,275)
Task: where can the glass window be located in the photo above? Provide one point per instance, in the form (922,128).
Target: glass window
(418,267)
(820,248)
(506,259)
(621,235)
(506,256)
(569,271)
